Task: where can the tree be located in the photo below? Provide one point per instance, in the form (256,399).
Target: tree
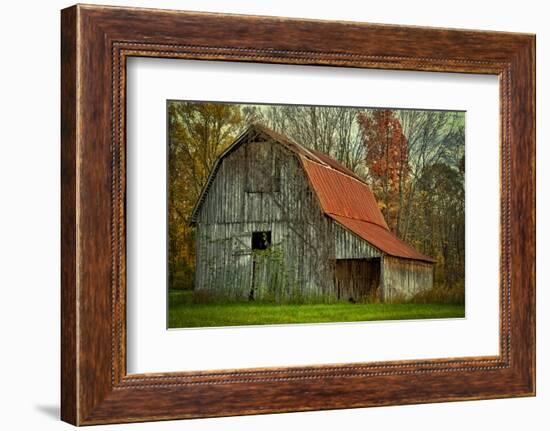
(438,225)
(329,129)
(198,133)
(433,137)
(387,160)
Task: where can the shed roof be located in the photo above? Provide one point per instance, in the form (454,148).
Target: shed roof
(343,196)
(381,238)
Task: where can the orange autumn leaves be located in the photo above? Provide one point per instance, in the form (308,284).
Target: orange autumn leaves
(387,159)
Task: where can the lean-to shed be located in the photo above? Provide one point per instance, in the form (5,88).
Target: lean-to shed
(279,221)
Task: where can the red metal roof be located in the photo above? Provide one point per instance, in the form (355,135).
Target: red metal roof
(343,195)
(336,164)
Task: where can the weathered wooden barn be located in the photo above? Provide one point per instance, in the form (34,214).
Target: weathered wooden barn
(278,221)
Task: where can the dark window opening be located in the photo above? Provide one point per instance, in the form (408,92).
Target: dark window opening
(261,240)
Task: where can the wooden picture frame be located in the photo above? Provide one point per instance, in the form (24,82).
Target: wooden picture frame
(95,43)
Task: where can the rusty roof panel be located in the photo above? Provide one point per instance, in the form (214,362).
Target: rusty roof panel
(380,238)
(336,164)
(343,195)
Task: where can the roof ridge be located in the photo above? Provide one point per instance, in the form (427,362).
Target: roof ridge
(310,152)
(278,136)
(359,219)
(342,173)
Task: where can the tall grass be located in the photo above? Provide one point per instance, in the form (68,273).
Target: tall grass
(441,294)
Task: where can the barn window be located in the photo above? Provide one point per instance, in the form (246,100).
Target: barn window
(261,240)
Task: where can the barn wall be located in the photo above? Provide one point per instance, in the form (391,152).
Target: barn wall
(300,262)
(404,278)
(230,200)
(350,246)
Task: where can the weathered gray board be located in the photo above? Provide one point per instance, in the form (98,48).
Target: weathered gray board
(404,278)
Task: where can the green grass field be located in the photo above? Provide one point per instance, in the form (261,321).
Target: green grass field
(183,313)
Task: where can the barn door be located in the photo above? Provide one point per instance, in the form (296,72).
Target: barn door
(261,241)
(357,279)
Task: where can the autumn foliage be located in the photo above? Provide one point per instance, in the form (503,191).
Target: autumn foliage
(387,160)
(198,133)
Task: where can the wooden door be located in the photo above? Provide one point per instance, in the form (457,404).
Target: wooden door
(357,279)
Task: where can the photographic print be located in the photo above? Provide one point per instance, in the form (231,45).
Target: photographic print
(289,214)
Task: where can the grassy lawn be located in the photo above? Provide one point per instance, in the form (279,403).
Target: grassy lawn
(183,313)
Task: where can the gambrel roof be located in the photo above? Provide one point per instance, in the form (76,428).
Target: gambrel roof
(342,195)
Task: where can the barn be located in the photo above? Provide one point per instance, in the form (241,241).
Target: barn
(278,221)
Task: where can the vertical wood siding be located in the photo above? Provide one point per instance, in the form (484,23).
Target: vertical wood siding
(350,246)
(404,278)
